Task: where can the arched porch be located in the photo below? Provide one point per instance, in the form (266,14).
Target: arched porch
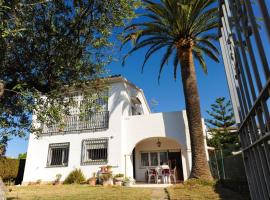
(155,151)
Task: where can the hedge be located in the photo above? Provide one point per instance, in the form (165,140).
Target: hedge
(9,168)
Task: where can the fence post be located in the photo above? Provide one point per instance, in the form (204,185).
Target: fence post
(217,165)
(222,163)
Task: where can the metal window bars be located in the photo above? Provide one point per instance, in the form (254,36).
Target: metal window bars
(94,151)
(58,154)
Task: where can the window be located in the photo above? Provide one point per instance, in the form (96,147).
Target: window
(97,103)
(136,106)
(58,155)
(144,159)
(163,158)
(95,151)
(103,102)
(154,158)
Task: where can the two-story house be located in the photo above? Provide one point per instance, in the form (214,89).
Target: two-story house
(124,134)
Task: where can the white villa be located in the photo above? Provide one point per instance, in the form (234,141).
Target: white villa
(125,135)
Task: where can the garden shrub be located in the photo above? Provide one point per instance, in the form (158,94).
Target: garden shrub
(75,176)
(9,169)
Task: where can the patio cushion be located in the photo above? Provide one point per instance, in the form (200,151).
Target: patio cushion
(166,171)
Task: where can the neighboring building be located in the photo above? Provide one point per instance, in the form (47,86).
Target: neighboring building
(245,42)
(125,135)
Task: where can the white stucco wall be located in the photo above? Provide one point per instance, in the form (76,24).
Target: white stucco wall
(172,125)
(124,133)
(37,152)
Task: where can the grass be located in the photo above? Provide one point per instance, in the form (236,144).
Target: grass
(190,190)
(202,190)
(78,192)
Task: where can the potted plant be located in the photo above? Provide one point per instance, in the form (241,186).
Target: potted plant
(118,179)
(128,181)
(106,179)
(109,168)
(103,169)
(57,179)
(92,181)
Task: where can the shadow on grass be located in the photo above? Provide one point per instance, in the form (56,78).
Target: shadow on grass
(232,190)
(195,189)
(167,194)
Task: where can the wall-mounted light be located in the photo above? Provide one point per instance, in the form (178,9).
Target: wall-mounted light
(158,143)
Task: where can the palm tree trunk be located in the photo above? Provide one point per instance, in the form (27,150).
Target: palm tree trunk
(200,167)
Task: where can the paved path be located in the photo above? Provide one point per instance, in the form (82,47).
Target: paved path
(147,185)
(158,190)
(159,194)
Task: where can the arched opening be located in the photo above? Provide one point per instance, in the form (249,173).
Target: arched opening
(136,106)
(154,152)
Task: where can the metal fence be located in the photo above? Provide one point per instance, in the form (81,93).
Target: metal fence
(245,44)
(94,122)
(224,166)
(229,170)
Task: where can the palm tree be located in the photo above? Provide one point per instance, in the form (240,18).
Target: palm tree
(185,28)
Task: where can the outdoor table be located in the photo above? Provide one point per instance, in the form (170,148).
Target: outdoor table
(163,171)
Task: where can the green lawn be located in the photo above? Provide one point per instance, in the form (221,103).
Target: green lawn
(194,190)
(78,192)
(190,190)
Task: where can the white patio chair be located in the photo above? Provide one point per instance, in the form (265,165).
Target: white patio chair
(151,174)
(166,175)
(159,175)
(173,175)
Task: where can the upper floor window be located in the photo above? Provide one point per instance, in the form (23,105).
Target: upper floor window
(136,107)
(97,103)
(58,155)
(95,151)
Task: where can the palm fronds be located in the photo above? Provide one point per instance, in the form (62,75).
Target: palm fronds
(169,22)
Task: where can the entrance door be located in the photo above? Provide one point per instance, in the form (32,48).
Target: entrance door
(176,160)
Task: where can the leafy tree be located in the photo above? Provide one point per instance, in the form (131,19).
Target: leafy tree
(3,144)
(186,30)
(22,155)
(221,126)
(57,44)
(46,46)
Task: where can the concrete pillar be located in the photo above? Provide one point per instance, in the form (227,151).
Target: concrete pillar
(186,162)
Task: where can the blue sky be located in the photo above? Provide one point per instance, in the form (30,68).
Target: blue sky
(168,94)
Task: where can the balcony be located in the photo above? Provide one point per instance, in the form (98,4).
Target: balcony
(93,122)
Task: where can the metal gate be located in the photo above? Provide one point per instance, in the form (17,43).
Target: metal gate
(245,45)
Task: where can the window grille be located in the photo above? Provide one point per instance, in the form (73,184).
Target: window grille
(58,155)
(95,151)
